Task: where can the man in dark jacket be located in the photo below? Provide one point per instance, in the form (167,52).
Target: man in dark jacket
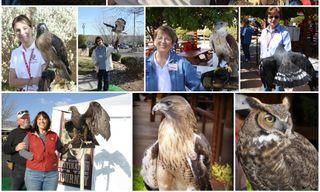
(12,147)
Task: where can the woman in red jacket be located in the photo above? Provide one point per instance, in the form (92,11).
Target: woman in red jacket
(40,152)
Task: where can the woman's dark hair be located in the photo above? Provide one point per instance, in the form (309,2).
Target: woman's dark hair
(35,127)
(96,40)
(23,19)
(167,30)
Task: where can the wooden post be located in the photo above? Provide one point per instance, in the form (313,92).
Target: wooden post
(82,168)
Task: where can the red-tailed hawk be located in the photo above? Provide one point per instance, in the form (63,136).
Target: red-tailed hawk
(53,50)
(181,157)
(225,46)
(118,28)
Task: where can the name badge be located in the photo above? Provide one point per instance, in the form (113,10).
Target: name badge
(172,67)
(100,56)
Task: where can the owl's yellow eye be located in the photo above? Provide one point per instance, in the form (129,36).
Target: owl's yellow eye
(269,118)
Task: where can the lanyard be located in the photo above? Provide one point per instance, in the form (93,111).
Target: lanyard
(26,63)
(269,39)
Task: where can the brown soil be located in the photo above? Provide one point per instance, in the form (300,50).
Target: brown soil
(126,80)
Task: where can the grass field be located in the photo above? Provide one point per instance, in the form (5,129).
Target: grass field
(85,65)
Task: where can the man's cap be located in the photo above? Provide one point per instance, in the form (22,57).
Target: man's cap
(22,113)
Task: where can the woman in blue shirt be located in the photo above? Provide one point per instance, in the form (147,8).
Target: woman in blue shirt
(272,36)
(165,70)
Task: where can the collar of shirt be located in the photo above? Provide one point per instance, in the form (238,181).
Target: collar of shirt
(276,29)
(33,45)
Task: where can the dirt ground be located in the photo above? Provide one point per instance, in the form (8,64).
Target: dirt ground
(125,80)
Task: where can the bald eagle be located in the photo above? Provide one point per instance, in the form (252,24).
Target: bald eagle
(287,69)
(82,129)
(225,46)
(181,157)
(53,50)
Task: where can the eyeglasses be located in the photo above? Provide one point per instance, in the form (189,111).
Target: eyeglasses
(22,112)
(275,17)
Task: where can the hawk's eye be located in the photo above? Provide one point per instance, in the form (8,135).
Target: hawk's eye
(168,102)
(269,118)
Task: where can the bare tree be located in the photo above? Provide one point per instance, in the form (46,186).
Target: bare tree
(8,107)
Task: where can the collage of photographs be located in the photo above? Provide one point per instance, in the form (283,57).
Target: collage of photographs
(168,95)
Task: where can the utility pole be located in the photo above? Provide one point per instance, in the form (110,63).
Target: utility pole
(134,29)
(83,27)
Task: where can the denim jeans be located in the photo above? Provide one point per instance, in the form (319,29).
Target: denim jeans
(41,180)
(103,75)
(277,88)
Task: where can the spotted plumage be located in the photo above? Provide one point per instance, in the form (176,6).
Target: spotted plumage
(287,69)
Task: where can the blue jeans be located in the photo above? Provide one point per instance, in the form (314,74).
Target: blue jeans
(277,88)
(41,180)
(103,75)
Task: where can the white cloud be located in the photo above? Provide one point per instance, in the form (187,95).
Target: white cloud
(43,101)
(63,102)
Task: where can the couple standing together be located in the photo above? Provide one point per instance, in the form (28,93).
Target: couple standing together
(34,161)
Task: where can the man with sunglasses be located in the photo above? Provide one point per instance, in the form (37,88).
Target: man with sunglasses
(272,36)
(12,147)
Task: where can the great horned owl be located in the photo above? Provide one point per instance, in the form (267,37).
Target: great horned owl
(272,155)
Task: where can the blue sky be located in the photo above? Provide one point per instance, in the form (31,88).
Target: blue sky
(93,17)
(35,102)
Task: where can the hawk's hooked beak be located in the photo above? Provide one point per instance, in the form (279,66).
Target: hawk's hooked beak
(157,107)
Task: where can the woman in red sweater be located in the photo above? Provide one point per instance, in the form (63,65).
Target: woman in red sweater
(40,152)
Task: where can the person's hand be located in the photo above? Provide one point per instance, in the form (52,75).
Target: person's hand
(35,80)
(20,146)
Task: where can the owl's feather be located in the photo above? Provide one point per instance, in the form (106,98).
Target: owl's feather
(275,157)
(181,158)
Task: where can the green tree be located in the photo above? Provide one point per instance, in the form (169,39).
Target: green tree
(188,18)
(82,41)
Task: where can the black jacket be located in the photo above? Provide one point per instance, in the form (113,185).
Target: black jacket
(15,137)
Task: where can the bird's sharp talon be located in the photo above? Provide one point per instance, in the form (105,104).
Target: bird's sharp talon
(87,142)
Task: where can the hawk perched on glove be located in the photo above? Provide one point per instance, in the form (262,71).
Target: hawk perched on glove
(225,46)
(181,157)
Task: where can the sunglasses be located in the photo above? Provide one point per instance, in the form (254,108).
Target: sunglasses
(275,17)
(22,112)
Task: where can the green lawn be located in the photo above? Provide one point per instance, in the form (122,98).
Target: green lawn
(85,65)
(6,183)
(111,88)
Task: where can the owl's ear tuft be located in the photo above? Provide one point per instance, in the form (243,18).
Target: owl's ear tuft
(254,102)
(286,102)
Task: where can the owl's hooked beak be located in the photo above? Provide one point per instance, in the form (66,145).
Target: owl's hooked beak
(283,127)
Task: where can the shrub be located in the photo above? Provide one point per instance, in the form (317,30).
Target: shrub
(133,64)
(82,40)
(83,46)
(116,56)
